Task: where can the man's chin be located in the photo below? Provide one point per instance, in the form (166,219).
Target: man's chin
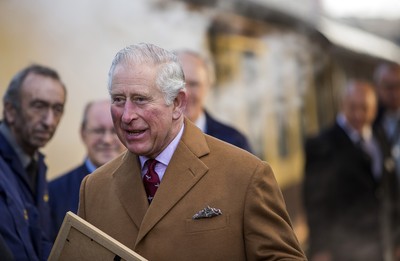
(39,143)
(42,138)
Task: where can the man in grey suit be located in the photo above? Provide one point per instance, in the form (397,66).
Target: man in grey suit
(213,201)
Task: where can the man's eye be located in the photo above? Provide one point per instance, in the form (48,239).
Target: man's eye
(39,106)
(140,100)
(118,100)
(58,109)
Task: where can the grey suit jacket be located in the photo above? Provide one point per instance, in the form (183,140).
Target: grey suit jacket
(203,171)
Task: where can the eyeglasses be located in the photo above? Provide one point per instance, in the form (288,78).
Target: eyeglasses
(100,132)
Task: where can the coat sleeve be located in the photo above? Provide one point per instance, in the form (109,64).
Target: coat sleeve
(268,230)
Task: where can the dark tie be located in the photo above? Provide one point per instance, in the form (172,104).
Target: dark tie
(151,180)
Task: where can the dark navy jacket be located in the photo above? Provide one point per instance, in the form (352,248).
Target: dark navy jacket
(36,205)
(19,220)
(226,133)
(64,195)
(5,251)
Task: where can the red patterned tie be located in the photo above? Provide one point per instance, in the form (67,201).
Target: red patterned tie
(151,180)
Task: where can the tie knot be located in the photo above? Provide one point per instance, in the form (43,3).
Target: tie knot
(151,163)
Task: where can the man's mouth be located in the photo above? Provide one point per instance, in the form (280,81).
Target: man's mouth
(135,132)
(43,134)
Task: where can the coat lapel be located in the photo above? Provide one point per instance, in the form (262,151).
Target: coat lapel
(183,172)
(129,188)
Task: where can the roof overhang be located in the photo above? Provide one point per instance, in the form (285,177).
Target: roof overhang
(357,40)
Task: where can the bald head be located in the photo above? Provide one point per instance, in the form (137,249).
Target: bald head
(359,104)
(198,79)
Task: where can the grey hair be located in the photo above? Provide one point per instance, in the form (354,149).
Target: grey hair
(13,92)
(170,78)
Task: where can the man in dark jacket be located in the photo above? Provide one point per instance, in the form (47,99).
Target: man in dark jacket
(387,82)
(346,182)
(33,107)
(198,78)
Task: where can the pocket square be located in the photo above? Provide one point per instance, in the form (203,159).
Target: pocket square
(207,212)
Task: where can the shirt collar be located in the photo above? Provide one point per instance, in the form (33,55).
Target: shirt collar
(201,122)
(89,165)
(354,135)
(165,156)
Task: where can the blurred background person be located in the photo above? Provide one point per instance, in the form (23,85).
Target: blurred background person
(344,178)
(33,107)
(199,78)
(387,81)
(101,143)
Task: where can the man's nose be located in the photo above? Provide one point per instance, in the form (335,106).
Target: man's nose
(129,112)
(49,117)
(109,136)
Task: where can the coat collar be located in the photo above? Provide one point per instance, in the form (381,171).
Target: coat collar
(183,172)
(13,161)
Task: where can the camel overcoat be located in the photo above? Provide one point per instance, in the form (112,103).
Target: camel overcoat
(204,171)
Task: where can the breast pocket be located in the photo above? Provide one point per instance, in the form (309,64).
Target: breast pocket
(207,224)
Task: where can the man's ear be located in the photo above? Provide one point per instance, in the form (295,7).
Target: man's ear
(10,113)
(179,104)
(82,133)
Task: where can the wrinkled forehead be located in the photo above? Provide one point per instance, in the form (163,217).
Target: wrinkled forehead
(43,87)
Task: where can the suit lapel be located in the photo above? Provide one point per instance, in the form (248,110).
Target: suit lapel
(129,188)
(183,172)
(356,152)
